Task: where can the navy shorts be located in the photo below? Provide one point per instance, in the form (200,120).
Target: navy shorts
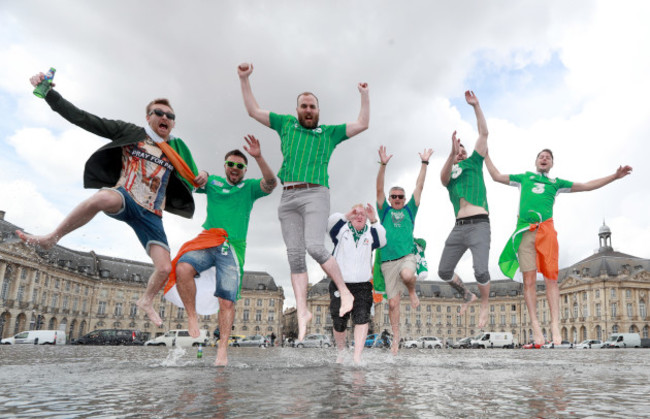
(147,225)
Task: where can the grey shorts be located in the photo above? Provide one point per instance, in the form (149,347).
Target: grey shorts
(476,238)
(391,270)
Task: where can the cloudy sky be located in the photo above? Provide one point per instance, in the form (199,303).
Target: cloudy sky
(570,76)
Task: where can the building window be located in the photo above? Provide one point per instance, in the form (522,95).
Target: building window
(503,307)
(37,276)
(318,308)
(55,300)
(615,329)
(492,320)
(67,285)
(247,302)
(57,283)
(612,292)
(585,310)
(65,302)
(271,317)
(513,319)
(503,320)
(598,311)
(438,309)
(613,309)
(101,307)
(448,309)
(492,308)
(162,311)
(84,306)
(180,312)
(21,293)
(575,310)
(471,321)
(318,319)
(598,296)
(34,296)
(642,310)
(513,307)
(133,310)
(628,293)
(272,302)
(118,309)
(459,321)
(259,302)
(630,311)
(386,319)
(75,303)
(246,315)
(428,308)
(584,296)
(258,315)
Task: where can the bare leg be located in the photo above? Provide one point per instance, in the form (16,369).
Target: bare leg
(408,277)
(468,296)
(360,333)
(393,315)
(553,297)
(226,317)
(339,337)
(483,312)
(530,296)
(103,200)
(187,291)
(162,267)
(331,268)
(299,282)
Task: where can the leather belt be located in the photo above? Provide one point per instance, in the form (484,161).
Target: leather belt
(301,186)
(475,219)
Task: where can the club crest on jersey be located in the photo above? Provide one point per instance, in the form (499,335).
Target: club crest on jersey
(456,170)
(217,183)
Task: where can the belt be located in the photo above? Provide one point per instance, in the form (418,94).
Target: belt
(301,186)
(474,219)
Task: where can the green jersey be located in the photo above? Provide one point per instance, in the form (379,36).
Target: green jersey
(467,182)
(537,196)
(399,225)
(306,152)
(230,206)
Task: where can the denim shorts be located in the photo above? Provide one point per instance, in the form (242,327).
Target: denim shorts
(225,262)
(147,225)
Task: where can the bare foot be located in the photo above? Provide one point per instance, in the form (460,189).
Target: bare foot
(539,339)
(147,307)
(347,300)
(357,359)
(222,357)
(193,326)
(394,348)
(340,357)
(302,325)
(44,242)
(556,335)
(415,301)
(483,316)
(463,307)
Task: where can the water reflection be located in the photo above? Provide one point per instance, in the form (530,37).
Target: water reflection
(101,382)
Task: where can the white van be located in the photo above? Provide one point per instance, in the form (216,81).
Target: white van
(623,340)
(179,337)
(493,340)
(37,337)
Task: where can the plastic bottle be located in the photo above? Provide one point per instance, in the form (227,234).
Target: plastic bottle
(45,86)
(199,353)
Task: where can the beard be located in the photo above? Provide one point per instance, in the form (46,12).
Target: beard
(308,123)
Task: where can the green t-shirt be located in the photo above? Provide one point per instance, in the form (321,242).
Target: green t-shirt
(537,196)
(467,182)
(230,206)
(306,152)
(399,225)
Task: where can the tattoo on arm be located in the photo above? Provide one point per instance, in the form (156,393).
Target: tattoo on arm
(269,184)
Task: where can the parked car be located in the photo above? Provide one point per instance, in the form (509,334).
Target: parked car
(179,337)
(564,345)
(110,337)
(532,345)
(37,337)
(252,340)
(590,344)
(234,338)
(376,341)
(424,342)
(315,341)
(493,340)
(623,340)
(463,343)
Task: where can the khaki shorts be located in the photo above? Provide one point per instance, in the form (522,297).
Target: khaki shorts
(527,253)
(391,271)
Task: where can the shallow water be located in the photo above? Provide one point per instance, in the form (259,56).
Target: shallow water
(105,382)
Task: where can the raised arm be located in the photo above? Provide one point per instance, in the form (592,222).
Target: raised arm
(481,142)
(260,115)
(445,172)
(621,172)
(494,173)
(376,225)
(361,124)
(419,184)
(383,161)
(253,148)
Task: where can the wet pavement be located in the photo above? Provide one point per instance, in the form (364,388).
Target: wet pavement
(106,382)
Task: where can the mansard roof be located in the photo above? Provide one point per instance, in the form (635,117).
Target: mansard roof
(606,262)
(256,280)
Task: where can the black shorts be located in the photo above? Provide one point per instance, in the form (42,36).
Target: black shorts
(362,293)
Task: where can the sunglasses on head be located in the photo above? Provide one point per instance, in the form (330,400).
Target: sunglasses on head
(397,196)
(240,166)
(160,113)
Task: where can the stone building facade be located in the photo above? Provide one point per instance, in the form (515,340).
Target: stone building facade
(82,291)
(607,292)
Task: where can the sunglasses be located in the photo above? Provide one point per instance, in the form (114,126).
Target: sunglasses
(240,166)
(160,113)
(397,196)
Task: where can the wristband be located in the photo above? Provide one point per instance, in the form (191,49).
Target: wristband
(425,162)
(383,164)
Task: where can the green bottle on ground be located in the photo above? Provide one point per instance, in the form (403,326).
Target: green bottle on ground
(45,86)
(199,352)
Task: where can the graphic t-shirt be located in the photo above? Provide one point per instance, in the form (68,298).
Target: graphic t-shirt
(467,182)
(145,174)
(306,151)
(399,225)
(537,195)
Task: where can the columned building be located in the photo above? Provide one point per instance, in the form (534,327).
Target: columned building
(604,293)
(82,291)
